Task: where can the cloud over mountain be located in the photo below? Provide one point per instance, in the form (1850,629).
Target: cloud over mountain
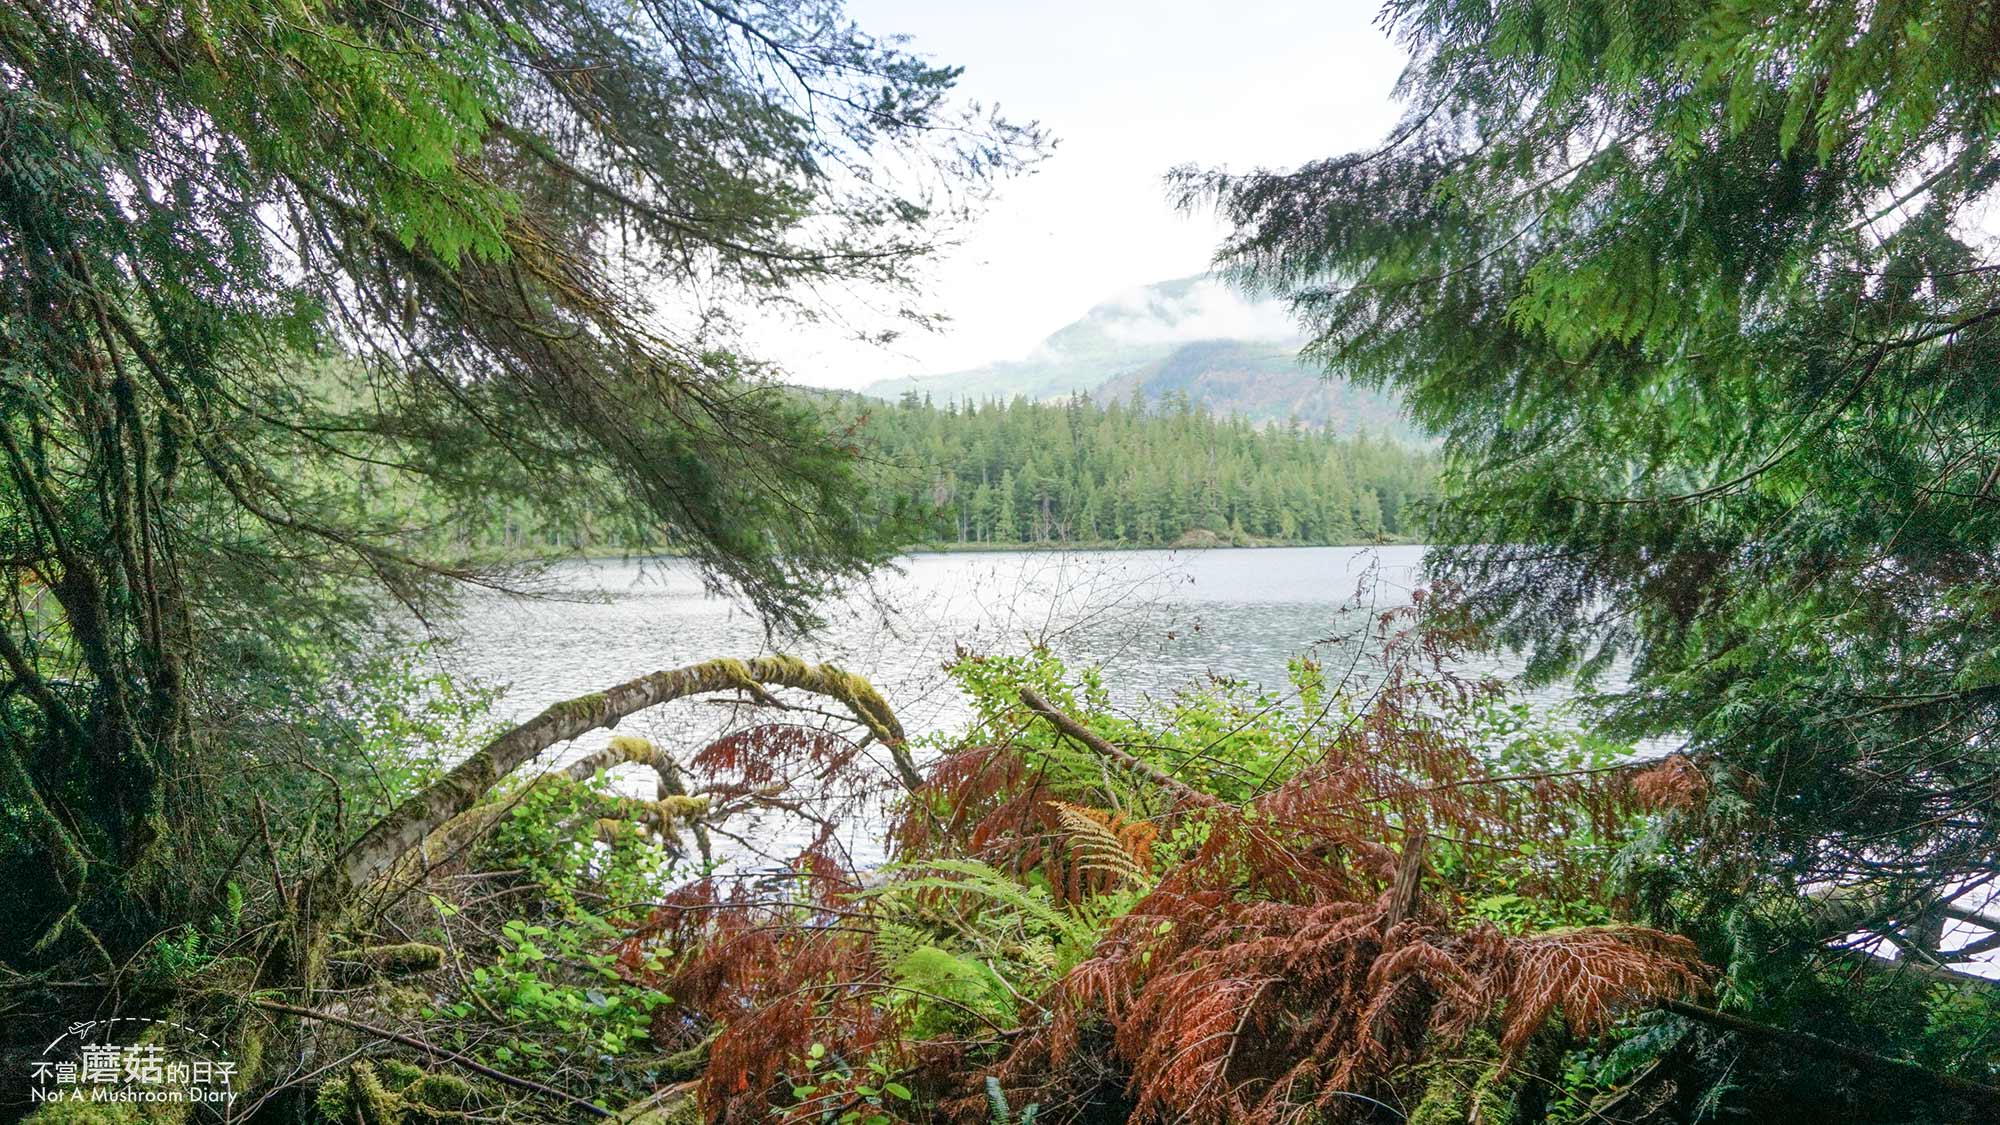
(1193,337)
(1202,309)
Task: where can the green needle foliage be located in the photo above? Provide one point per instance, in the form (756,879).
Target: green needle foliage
(1025,472)
(1702,298)
(487,250)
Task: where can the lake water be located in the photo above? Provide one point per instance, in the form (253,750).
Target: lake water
(1154,621)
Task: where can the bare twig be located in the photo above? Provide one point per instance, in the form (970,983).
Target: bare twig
(435,1052)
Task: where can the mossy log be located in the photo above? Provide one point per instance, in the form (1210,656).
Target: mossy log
(666,815)
(675,1105)
(674,806)
(424,813)
(448,815)
(393,1093)
(402,959)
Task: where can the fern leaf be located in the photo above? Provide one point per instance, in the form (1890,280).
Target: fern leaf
(1104,841)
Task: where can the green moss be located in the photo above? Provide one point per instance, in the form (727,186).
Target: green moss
(393,1092)
(1466,1084)
(1444,1101)
(675,810)
(726,668)
(358,1097)
(401,959)
(371,1100)
(684,1110)
(404,1000)
(631,748)
(333,1098)
(1493,1095)
(688,1062)
(442,1091)
(787,667)
(249,1053)
(397,1074)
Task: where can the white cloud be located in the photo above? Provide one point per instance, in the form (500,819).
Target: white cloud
(1209,310)
(1132,88)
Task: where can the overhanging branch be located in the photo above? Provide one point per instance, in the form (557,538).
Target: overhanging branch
(424,812)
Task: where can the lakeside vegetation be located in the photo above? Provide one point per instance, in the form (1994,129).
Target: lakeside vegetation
(300,300)
(1023,472)
(1078,474)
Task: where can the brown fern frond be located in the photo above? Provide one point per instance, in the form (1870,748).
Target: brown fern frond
(1104,848)
(1674,783)
(770,752)
(1591,976)
(1289,958)
(1285,958)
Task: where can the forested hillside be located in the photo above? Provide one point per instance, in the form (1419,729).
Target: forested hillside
(1026,472)
(1193,337)
(1036,474)
(1263,381)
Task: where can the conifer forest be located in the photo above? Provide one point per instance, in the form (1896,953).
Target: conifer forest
(1665,790)
(1024,472)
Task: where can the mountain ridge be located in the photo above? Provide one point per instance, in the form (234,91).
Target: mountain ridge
(1191,336)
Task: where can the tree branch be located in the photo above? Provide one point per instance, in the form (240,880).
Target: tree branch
(435,1052)
(1078,732)
(424,812)
(1806,1042)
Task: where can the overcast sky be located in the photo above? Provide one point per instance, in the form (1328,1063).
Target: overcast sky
(1131,88)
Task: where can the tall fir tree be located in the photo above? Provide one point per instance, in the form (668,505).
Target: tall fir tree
(1700,299)
(251,248)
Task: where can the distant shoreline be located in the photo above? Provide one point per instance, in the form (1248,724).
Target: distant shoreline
(1056,548)
(600,554)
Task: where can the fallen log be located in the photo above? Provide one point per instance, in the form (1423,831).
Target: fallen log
(379,848)
(435,1052)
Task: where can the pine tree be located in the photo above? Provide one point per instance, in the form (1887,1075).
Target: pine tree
(248,246)
(1697,297)
(1081,473)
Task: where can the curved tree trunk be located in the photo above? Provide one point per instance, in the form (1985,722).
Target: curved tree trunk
(390,838)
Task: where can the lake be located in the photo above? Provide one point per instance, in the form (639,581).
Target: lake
(1153,620)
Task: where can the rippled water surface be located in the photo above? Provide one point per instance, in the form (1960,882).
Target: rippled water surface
(1153,620)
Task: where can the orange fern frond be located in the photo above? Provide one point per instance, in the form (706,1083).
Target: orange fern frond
(1104,848)
(1591,976)
(1674,783)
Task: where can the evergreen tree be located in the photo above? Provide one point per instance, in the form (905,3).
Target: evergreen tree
(1028,473)
(1698,297)
(203,204)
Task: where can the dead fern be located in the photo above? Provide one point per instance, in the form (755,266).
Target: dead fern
(1675,782)
(1105,849)
(1087,937)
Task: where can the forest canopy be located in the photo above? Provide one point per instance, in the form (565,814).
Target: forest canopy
(1702,300)
(522,228)
(1083,472)
(1026,474)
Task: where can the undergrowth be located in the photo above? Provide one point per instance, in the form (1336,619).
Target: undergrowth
(1268,907)
(1319,903)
